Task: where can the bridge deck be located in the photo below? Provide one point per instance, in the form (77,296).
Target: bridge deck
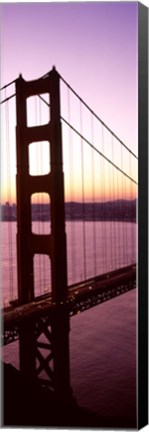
(99,288)
(81,297)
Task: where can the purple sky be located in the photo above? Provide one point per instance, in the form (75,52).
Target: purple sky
(93,46)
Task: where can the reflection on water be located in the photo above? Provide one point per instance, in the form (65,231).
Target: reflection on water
(104,246)
(102,339)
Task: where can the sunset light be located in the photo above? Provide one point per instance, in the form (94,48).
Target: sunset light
(69,96)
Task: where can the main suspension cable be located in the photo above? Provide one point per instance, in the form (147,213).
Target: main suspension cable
(96,116)
(95,148)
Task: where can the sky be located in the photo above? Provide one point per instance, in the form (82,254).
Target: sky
(93,46)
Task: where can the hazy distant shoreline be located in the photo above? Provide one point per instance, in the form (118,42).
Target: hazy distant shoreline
(119,210)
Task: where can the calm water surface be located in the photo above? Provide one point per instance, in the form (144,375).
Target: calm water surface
(102,339)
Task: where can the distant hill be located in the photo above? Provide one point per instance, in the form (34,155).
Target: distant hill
(118,210)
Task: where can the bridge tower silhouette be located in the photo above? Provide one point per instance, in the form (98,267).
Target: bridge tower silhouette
(41,323)
(55,326)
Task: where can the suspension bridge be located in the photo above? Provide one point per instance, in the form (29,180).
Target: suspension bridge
(69,218)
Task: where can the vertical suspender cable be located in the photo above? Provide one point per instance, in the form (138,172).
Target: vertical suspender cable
(118,224)
(10,245)
(122,209)
(114,214)
(131,215)
(93,201)
(125,219)
(104,236)
(73,251)
(110,224)
(70,185)
(83,194)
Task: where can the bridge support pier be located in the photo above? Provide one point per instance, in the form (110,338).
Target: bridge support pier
(60,332)
(44,351)
(27,350)
(44,343)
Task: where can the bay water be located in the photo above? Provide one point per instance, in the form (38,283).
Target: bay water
(103,338)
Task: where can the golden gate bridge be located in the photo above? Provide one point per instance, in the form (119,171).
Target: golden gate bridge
(62,153)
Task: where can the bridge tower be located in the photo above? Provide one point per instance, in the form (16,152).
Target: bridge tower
(54,244)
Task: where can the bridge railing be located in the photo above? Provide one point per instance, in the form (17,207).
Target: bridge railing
(100,175)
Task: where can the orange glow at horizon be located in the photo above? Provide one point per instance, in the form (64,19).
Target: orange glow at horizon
(99,196)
